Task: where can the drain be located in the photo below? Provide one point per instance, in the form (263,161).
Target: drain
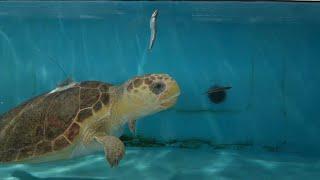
(217,94)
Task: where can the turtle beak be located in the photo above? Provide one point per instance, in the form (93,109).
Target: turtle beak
(170,102)
(170,97)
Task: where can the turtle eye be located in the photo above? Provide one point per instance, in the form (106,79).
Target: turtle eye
(158,87)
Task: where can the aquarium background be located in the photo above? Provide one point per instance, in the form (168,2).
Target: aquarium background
(268,52)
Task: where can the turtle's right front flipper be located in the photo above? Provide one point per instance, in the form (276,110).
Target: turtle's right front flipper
(113,147)
(132,126)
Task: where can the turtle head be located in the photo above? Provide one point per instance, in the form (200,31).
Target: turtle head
(151,93)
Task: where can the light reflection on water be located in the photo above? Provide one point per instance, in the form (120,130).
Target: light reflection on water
(172,163)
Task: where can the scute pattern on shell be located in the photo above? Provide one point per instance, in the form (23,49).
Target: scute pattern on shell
(49,122)
(90,84)
(20,126)
(61,112)
(73,131)
(88,97)
(43,147)
(60,143)
(26,152)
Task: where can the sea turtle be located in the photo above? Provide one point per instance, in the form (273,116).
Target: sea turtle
(82,118)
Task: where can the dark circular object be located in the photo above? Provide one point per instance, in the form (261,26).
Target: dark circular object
(217,94)
(158,87)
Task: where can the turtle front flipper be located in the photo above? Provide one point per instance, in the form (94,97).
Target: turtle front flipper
(113,148)
(132,126)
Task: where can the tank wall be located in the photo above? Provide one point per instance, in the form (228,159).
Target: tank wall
(268,53)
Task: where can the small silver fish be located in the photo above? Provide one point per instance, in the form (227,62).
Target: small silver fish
(68,83)
(153,28)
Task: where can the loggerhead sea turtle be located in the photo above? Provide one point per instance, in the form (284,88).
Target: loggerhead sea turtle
(82,118)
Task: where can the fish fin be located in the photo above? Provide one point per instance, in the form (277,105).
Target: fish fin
(66,82)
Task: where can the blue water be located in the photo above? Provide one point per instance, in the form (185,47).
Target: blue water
(267,51)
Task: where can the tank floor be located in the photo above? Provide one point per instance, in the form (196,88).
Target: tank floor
(174,163)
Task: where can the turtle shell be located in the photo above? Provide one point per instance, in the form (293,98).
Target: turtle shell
(49,122)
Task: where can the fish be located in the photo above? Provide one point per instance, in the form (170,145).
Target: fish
(153,28)
(66,84)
